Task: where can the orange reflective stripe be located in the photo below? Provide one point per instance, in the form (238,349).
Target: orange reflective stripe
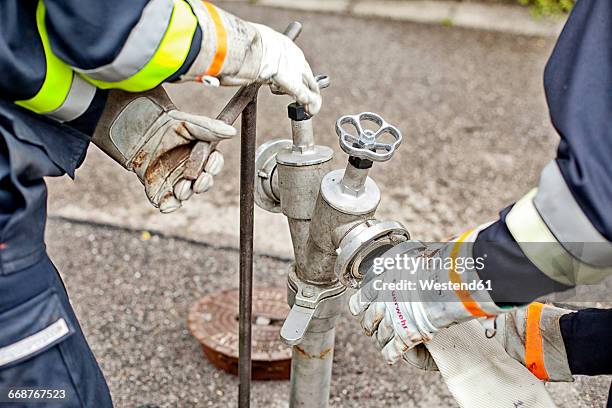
(466,298)
(534,351)
(221,51)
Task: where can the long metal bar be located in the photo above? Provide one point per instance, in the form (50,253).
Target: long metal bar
(247,200)
(245,102)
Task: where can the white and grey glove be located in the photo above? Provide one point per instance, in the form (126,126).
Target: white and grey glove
(146,134)
(531,335)
(418,289)
(237,52)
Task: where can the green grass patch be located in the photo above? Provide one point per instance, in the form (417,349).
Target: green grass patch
(548,7)
(447,22)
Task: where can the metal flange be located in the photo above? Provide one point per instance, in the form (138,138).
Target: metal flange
(265,174)
(361,244)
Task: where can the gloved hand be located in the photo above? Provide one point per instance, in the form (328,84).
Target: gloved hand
(400,305)
(531,335)
(236,52)
(146,134)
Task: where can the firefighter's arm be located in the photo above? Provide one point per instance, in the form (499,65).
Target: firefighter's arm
(559,234)
(134,46)
(137,45)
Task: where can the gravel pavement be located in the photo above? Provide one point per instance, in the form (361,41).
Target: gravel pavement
(472,109)
(132,296)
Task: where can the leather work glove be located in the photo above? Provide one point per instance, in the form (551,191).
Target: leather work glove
(237,52)
(531,335)
(417,289)
(146,134)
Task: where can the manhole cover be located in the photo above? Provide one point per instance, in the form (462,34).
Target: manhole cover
(213,320)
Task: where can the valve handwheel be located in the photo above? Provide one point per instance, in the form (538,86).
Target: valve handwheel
(368,144)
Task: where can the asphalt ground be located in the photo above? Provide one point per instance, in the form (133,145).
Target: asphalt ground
(132,294)
(472,109)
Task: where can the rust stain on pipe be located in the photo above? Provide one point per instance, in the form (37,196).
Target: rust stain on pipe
(321,356)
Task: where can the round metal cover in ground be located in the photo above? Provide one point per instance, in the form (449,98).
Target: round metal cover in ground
(213,320)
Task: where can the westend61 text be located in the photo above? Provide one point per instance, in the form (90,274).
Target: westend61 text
(404,284)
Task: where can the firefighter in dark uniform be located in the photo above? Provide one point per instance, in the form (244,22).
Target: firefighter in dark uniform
(75,71)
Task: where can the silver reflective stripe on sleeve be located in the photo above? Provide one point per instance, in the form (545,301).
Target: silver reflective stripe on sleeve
(33,343)
(542,248)
(79,97)
(141,44)
(567,221)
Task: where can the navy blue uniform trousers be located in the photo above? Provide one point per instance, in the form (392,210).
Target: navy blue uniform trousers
(41,344)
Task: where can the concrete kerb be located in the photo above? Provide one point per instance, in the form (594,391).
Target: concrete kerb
(489,17)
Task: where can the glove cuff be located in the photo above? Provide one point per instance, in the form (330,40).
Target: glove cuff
(230,48)
(463,294)
(127,123)
(532,336)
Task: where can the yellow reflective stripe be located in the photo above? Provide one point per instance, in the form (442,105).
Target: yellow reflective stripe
(58,75)
(168,58)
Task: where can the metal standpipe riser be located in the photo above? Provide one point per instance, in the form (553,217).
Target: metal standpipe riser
(311,367)
(298,188)
(346,198)
(299,237)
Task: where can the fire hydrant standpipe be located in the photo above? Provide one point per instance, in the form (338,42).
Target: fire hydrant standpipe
(322,207)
